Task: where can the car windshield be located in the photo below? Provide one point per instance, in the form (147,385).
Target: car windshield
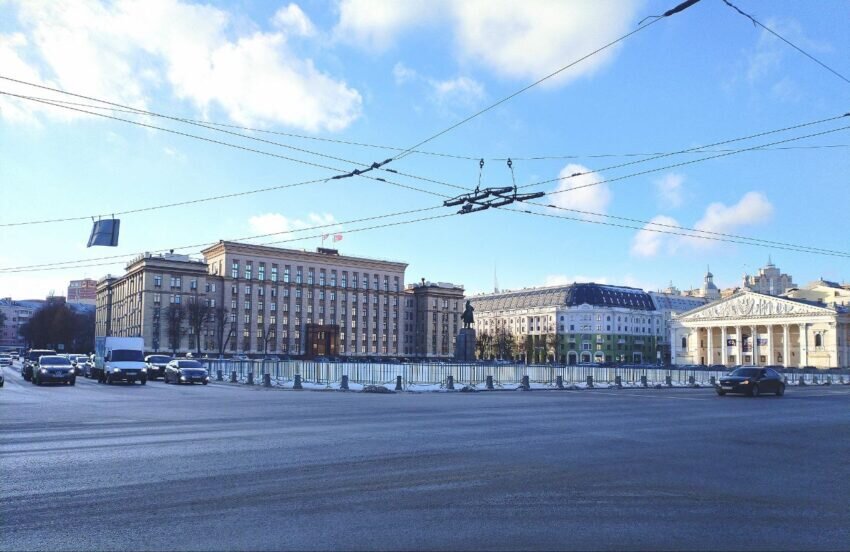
(159,359)
(189,364)
(746,372)
(54,361)
(122,355)
(33,355)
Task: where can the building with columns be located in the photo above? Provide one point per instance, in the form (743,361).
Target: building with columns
(751,328)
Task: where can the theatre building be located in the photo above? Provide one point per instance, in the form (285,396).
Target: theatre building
(751,328)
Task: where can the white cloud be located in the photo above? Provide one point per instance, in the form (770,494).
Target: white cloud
(523,40)
(647,243)
(581,192)
(271,223)
(292,19)
(669,190)
(459,91)
(130,49)
(403,74)
(174,153)
(753,209)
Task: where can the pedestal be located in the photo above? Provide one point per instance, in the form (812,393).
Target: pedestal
(465,345)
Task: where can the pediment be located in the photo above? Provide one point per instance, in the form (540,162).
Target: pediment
(752,305)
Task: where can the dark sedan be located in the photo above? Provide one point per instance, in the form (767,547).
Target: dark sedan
(156,365)
(186,371)
(53,369)
(752,381)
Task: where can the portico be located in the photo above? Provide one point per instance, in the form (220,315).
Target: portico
(751,328)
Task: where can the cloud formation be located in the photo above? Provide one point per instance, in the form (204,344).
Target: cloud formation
(271,223)
(521,40)
(582,192)
(130,50)
(669,190)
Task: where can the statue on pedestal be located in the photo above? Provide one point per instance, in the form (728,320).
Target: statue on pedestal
(467,316)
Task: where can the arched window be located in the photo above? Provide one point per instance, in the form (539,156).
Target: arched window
(818,340)
(684,343)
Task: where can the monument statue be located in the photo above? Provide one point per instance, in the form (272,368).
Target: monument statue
(467,316)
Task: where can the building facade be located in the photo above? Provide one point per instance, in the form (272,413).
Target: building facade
(16,314)
(431,319)
(670,302)
(574,324)
(822,291)
(752,328)
(769,281)
(82,292)
(272,295)
(142,302)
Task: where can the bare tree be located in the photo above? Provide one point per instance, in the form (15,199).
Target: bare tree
(223,328)
(504,343)
(174,315)
(198,315)
(484,344)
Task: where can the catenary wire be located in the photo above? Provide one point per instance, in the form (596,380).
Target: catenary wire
(703,149)
(786,41)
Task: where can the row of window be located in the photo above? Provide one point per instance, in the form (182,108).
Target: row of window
(323,277)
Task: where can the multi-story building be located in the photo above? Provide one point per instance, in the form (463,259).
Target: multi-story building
(668,302)
(577,323)
(293,302)
(822,291)
(137,303)
(708,290)
(82,292)
(431,319)
(16,314)
(769,281)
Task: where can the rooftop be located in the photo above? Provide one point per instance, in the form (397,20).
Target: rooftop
(567,296)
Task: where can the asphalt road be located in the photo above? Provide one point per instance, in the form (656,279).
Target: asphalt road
(226,467)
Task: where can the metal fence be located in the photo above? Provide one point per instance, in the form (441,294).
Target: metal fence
(328,373)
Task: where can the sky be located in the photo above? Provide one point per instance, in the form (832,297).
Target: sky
(309,76)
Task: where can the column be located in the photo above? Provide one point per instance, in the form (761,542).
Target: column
(739,345)
(709,354)
(786,346)
(724,350)
(754,345)
(771,356)
(673,344)
(833,346)
(804,345)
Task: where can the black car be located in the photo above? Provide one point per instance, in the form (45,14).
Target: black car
(30,361)
(752,381)
(156,365)
(53,369)
(186,371)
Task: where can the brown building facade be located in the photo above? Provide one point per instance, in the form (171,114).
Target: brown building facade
(432,319)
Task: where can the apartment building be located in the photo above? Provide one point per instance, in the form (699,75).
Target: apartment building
(82,292)
(432,319)
(305,303)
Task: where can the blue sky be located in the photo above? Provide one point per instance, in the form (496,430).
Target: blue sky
(395,73)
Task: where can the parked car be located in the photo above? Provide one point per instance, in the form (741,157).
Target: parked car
(186,371)
(5,360)
(53,369)
(239,357)
(751,380)
(156,365)
(31,359)
(273,358)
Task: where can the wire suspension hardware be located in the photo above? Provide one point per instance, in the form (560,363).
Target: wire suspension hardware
(505,195)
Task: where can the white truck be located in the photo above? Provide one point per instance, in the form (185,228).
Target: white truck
(119,359)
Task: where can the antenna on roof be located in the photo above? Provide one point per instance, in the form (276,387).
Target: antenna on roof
(495,279)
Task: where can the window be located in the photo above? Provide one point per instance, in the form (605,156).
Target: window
(684,343)
(274,273)
(261,272)
(343,279)
(157,298)
(247,289)
(234,269)
(233,303)
(322,278)
(818,340)
(310,275)
(249,268)
(193,284)
(286,275)
(157,281)
(299,275)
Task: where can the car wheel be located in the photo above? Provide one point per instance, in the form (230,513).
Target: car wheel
(721,392)
(73,381)
(754,392)
(780,390)
(206,382)
(143,381)
(109,379)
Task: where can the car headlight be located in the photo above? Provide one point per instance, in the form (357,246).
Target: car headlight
(116,370)
(44,370)
(144,370)
(745,382)
(183,378)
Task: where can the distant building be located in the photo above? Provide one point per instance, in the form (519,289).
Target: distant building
(16,313)
(822,291)
(708,290)
(82,292)
(669,302)
(576,323)
(431,319)
(769,281)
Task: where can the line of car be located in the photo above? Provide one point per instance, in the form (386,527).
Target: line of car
(41,366)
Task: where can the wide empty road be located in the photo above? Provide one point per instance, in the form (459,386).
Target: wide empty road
(226,467)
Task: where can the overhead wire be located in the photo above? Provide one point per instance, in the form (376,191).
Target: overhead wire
(786,41)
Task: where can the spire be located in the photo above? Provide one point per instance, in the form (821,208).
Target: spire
(495,279)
